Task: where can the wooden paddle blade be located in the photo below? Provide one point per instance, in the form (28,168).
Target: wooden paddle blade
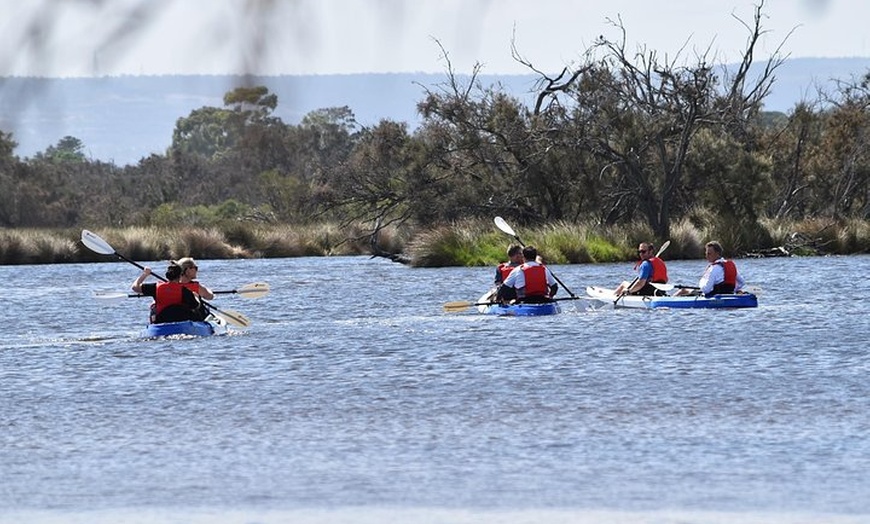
(459,305)
(255,290)
(96,244)
(232,317)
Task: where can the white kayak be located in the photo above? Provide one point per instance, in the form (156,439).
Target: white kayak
(606,297)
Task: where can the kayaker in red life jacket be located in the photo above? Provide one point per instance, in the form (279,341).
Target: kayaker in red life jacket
(650,269)
(721,276)
(532,281)
(515,260)
(178,299)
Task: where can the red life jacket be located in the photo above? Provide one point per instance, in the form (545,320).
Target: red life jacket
(536,280)
(660,271)
(169,294)
(727,285)
(505,269)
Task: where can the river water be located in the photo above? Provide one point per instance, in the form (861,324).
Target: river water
(353,398)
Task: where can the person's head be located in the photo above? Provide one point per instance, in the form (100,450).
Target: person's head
(515,254)
(173,272)
(645,250)
(712,251)
(188,267)
(530,253)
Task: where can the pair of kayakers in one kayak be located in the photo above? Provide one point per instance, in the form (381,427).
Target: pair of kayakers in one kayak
(524,278)
(177,299)
(720,277)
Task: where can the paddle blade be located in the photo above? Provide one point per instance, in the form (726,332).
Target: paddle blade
(232,317)
(255,290)
(662,249)
(455,307)
(501,224)
(113,296)
(96,244)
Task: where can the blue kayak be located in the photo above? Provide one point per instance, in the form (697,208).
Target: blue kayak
(190,328)
(701,302)
(520,310)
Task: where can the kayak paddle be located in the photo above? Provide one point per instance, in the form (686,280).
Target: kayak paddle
(96,244)
(254,290)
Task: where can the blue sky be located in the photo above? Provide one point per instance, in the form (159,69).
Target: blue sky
(113,37)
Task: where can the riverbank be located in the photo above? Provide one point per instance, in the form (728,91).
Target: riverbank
(470,243)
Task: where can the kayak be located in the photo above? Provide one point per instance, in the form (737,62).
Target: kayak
(190,328)
(517,310)
(520,310)
(606,297)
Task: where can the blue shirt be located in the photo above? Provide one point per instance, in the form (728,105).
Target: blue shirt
(645,271)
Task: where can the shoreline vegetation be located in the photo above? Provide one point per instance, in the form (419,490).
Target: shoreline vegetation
(469,243)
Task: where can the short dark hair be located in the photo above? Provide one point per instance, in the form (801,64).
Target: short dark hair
(173,271)
(717,247)
(530,253)
(514,250)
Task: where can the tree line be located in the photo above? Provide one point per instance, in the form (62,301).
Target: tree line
(624,135)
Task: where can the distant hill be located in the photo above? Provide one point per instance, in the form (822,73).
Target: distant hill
(123,119)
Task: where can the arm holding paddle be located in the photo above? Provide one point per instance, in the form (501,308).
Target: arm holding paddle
(137,284)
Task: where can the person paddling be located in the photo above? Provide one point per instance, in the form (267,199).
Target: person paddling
(515,260)
(177,299)
(532,281)
(721,276)
(650,270)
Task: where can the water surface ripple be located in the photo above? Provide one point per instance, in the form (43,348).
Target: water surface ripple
(354,392)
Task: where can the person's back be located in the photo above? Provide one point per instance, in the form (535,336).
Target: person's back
(174,300)
(532,281)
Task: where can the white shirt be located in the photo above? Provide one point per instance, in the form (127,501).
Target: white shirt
(715,274)
(518,280)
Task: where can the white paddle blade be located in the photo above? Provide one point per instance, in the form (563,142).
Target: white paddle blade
(662,249)
(255,290)
(96,244)
(501,224)
(110,296)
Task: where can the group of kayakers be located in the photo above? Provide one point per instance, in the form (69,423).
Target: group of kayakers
(179,297)
(524,278)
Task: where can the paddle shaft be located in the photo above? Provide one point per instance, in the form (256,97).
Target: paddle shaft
(229,291)
(459,306)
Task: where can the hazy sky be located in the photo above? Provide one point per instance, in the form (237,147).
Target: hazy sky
(113,37)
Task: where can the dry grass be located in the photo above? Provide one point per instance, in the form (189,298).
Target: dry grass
(469,243)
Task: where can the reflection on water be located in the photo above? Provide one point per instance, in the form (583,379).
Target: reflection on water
(354,397)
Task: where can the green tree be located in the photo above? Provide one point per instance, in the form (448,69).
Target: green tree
(69,149)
